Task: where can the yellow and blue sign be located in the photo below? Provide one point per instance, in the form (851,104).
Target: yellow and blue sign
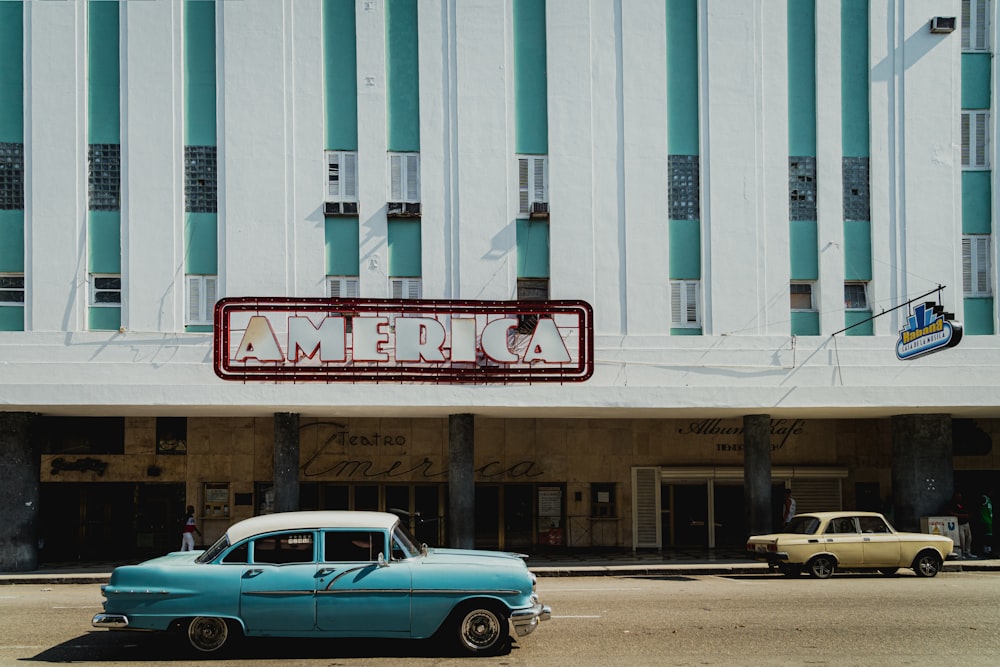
(928,329)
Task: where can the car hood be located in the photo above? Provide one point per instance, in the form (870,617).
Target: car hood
(174,558)
(472,556)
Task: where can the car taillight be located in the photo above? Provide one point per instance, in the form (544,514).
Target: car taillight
(773,546)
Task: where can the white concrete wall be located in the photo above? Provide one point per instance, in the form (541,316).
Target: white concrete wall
(609,229)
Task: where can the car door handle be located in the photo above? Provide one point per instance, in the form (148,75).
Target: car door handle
(253,572)
(867,539)
(325,571)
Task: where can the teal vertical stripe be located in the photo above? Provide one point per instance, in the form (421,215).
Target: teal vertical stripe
(340,75)
(199,73)
(104,242)
(342,246)
(104,73)
(201,240)
(404,248)
(685,250)
(852,317)
(978,318)
(12,318)
(104,319)
(977,198)
(804,242)
(12,241)
(976,72)
(12,72)
(854,77)
(532,249)
(403,75)
(682,77)
(801,77)
(805,323)
(530,84)
(857,250)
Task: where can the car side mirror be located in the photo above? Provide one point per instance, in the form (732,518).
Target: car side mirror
(381,560)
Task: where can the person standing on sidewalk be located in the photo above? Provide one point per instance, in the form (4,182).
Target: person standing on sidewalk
(986,519)
(961,513)
(188,531)
(788,509)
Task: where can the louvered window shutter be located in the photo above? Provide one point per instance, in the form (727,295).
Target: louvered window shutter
(333,188)
(983,265)
(210,297)
(523,199)
(675,304)
(980,37)
(691,307)
(194,299)
(540,189)
(967,266)
(412,178)
(646,531)
(349,177)
(395,178)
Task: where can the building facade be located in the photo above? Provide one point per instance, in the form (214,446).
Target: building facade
(755,198)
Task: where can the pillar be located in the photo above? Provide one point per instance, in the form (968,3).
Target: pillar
(461,482)
(923,476)
(20,465)
(757,473)
(286,462)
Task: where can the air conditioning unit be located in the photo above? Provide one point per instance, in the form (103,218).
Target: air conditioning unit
(540,209)
(340,208)
(398,209)
(943,24)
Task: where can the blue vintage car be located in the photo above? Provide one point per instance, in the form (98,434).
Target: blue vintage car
(327,574)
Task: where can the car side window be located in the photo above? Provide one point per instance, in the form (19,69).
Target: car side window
(353,545)
(872,524)
(842,526)
(284,548)
(240,554)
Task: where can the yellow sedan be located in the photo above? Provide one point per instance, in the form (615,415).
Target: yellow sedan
(821,542)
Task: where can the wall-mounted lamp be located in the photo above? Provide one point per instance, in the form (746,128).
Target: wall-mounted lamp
(943,24)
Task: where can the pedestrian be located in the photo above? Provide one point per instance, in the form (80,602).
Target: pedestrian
(788,509)
(961,513)
(188,531)
(986,519)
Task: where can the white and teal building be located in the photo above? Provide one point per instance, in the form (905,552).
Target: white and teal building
(753,195)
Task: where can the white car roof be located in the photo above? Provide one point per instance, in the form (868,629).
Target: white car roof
(267,523)
(829,515)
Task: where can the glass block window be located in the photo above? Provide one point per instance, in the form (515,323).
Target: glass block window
(11,289)
(857,194)
(106,290)
(975,25)
(682,172)
(802,187)
(11,176)
(105,180)
(856,296)
(201,183)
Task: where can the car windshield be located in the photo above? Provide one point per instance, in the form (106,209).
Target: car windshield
(404,544)
(802,525)
(213,551)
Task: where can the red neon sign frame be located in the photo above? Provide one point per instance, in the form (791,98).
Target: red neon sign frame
(267,323)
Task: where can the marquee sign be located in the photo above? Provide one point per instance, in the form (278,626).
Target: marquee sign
(928,329)
(267,339)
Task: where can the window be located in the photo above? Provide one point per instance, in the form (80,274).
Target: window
(201,297)
(11,289)
(104,179)
(802,187)
(530,289)
(342,287)
(975,139)
(11,176)
(685,312)
(532,182)
(801,296)
(602,500)
(977,273)
(287,548)
(975,25)
(405,288)
(201,182)
(171,435)
(353,545)
(341,176)
(106,290)
(872,524)
(682,192)
(856,296)
(404,177)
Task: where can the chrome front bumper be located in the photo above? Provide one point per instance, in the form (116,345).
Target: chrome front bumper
(526,620)
(110,621)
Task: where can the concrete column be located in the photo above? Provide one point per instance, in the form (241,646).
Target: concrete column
(461,482)
(923,476)
(20,462)
(286,462)
(757,473)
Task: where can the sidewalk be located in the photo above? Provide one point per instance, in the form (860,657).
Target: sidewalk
(553,564)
